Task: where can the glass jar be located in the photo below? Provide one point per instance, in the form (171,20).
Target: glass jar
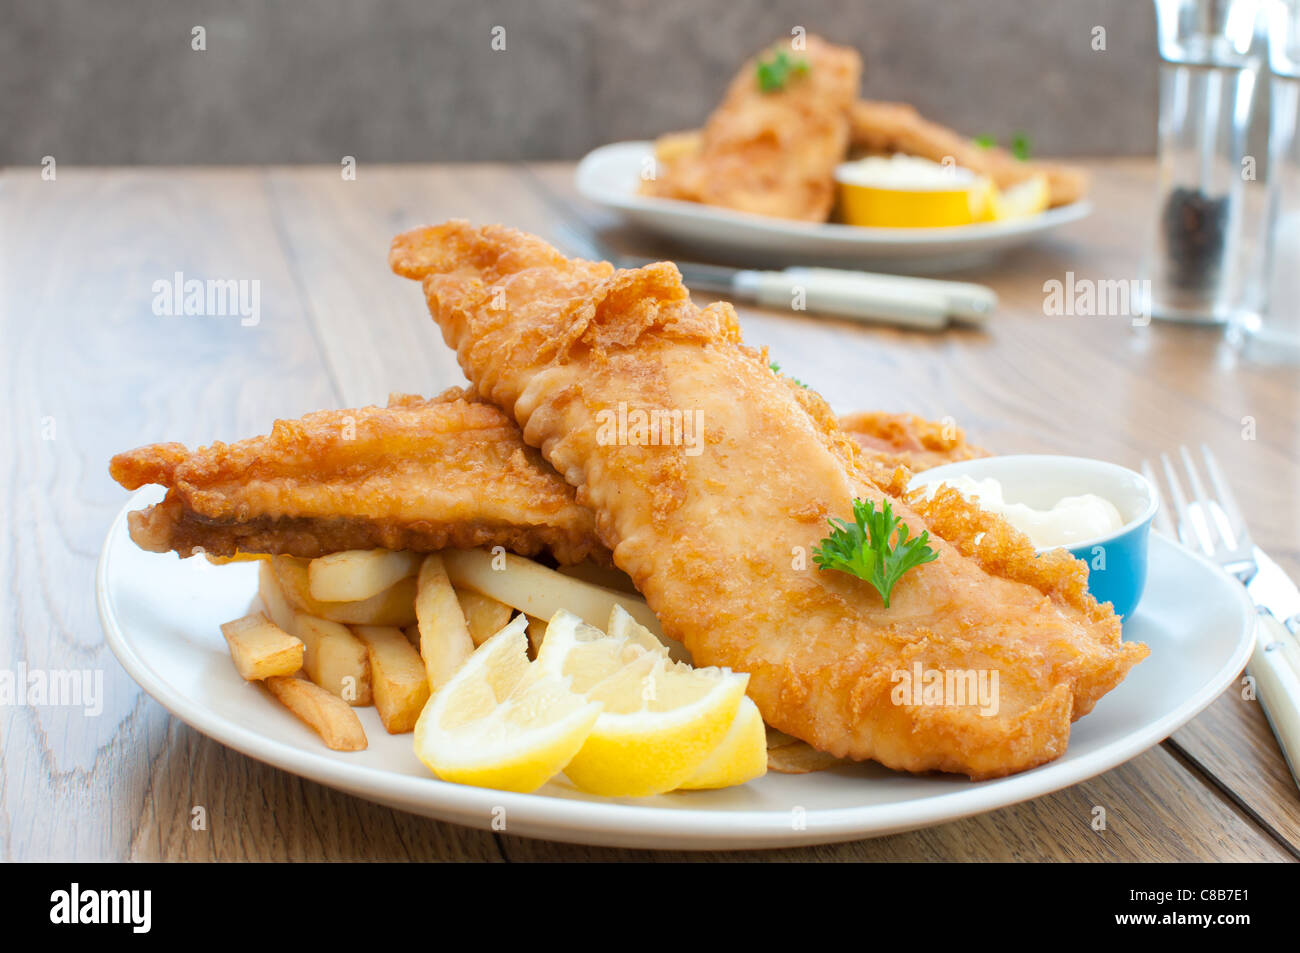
(1271,331)
(1208,73)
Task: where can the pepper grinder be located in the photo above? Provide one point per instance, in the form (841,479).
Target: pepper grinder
(1208,72)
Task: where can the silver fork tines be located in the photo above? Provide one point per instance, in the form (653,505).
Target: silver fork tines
(1210,523)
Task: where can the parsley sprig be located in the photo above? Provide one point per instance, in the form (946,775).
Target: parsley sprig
(776,369)
(867,548)
(1020,145)
(774,74)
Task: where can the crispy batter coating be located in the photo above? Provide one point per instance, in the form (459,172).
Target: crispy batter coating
(908,440)
(881,127)
(769,153)
(418,475)
(717,542)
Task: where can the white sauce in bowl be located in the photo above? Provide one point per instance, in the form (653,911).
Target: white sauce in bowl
(1072,520)
(906,173)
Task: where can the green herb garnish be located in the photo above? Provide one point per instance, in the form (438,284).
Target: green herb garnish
(773,74)
(776,369)
(1019,144)
(868,549)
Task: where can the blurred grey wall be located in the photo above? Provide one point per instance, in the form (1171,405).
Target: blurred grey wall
(117,81)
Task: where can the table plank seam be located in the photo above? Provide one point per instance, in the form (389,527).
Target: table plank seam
(1207,777)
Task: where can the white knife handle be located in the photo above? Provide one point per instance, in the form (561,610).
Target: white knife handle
(1275,664)
(822,293)
(966,300)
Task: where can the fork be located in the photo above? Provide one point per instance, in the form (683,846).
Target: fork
(1212,523)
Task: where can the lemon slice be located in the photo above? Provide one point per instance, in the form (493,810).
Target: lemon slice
(584,654)
(1023,200)
(660,721)
(502,722)
(741,755)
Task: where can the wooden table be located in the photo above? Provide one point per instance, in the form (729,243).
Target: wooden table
(90,370)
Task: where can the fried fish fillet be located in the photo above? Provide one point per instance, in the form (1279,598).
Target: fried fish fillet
(775,152)
(418,474)
(881,127)
(907,440)
(717,541)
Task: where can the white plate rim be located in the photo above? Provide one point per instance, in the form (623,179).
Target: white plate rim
(865,237)
(621,824)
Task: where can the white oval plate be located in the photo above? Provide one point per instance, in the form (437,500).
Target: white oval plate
(609,176)
(161,616)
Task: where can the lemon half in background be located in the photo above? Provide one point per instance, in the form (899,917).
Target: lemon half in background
(902,191)
(1023,200)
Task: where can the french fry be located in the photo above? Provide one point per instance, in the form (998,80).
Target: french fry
(394,606)
(326,714)
(538,591)
(260,648)
(484,616)
(358,574)
(445,641)
(274,602)
(397,677)
(335,659)
(603,576)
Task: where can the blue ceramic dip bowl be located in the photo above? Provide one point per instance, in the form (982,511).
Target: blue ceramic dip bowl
(1117,562)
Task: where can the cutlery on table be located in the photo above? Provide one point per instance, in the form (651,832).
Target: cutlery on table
(925,303)
(1212,523)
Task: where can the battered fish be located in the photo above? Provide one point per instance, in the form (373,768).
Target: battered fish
(418,475)
(880,127)
(774,152)
(717,542)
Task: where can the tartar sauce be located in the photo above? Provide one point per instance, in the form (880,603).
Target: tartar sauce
(1072,520)
(905,173)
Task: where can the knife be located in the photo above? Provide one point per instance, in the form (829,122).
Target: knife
(1275,662)
(925,303)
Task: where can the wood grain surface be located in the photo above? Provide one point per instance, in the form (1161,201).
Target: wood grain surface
(90,370)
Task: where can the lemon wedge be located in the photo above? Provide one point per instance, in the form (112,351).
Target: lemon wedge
(664,724)
(660,722)
(586,656)
(660,719)
(1023,200)
(741,755)
(501,721)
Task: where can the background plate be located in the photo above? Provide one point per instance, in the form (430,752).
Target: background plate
(609,176)
(161,616)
